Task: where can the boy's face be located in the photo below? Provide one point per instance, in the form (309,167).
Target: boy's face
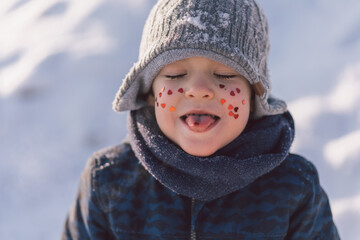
(200,104)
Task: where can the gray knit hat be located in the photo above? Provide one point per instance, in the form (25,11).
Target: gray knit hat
(232,32)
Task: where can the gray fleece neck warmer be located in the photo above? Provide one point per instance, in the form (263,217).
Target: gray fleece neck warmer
(232,32)
(263,145)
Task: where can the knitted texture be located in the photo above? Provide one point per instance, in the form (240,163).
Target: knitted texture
(263,145)
(232,32)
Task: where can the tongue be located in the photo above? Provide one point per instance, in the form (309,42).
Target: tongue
(199,123)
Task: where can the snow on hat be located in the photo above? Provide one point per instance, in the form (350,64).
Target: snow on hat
(231,32)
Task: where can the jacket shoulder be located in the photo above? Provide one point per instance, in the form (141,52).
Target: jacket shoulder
(301,170)
(307,203)
(113,165)
(117,175)
(295,179)
(87,218)
(109,156)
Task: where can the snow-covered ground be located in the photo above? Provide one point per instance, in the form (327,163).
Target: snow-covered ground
(61,62)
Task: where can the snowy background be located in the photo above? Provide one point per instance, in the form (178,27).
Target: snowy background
(62,61)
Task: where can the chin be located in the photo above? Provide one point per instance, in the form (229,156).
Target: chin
(199,151)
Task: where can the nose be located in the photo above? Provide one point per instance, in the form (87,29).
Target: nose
(199,89)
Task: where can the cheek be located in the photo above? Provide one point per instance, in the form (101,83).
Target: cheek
(165,98)
(233,101)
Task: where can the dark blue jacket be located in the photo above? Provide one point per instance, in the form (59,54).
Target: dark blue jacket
(119,199)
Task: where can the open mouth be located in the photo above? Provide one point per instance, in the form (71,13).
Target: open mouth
(200,122)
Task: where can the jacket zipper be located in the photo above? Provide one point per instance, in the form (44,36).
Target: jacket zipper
(192,233)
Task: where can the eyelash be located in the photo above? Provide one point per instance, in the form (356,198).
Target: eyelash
(224,76)
(216,75)
(175,76)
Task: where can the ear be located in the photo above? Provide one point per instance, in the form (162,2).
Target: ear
(151,99)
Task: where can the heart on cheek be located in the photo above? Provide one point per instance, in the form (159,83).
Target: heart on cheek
(163,105)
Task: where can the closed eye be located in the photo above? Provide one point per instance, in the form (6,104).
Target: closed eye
(222,76)
(175,76)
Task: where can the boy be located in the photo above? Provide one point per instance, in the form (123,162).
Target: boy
(213,146)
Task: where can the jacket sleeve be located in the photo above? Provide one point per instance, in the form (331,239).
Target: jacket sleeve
(86,219)
(312,219)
